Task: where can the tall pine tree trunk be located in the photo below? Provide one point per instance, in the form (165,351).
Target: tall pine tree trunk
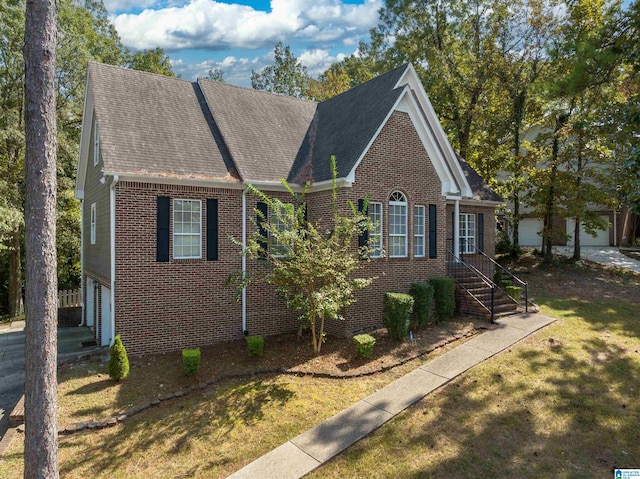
(41,431)
(15,274)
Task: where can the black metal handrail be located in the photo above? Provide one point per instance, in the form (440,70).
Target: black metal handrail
(481,261)
(477,274)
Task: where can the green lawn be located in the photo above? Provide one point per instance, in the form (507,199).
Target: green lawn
(562,403)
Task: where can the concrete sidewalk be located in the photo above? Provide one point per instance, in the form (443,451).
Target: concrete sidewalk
(316,446)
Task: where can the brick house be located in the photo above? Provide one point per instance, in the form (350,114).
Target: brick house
(162,176)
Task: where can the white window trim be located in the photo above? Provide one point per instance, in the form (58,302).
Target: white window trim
(271,240)
(406,224)
(420,235)
(96,142)
(174,234)
(376,253)
(466,246)
(92,223)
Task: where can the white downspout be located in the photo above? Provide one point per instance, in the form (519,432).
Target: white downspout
(82,280)
(244,261)
(615,227)
(112,207)
(456,229)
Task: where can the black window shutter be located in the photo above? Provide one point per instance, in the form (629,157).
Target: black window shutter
(162,228)
(212,230)
(433,232)
(261,218)
(480,227)
(363,237)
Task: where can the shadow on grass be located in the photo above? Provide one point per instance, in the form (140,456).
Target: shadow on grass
(562,409)
(177,428)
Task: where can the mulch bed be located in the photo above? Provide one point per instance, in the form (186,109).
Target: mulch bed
(291,354)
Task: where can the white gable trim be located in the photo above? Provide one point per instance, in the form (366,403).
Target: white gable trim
(406,102)
(351,177)
(410,77)
(85,136)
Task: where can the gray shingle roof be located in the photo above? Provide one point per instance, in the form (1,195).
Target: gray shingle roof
(345,124)
(159,126)
(263,131)
(153,125)
(480,189)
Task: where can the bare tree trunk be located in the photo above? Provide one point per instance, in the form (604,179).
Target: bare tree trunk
(576,238)
(41,431)
(15,275)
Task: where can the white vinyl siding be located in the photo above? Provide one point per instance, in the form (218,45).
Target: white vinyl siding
(467,233)
(187,229)
(397,225)
(93,223)
(96,142)
(418,231)
(375,235)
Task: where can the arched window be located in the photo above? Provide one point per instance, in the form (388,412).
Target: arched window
(397,225)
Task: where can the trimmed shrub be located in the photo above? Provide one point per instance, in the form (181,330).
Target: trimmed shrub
(118,361)
(397,308)
(514,292)
(255,344)
(191,361)
(422,294)
(364,345)
(443,297)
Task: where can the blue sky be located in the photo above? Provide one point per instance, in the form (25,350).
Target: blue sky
(239,36)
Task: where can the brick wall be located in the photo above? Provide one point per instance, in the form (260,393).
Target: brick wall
(395,162)
(162,306)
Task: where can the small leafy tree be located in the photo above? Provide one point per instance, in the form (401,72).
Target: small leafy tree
(313,269)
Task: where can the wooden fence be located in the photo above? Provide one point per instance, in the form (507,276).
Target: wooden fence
(69,298)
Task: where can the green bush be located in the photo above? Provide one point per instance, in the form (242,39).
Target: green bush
(514,292)
(364,345)
(397,308)
(191,361)
(422,294)
(443,297)
(118,361)
(255,344)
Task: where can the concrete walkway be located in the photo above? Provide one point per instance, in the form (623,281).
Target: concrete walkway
(316,446)
(609,256)
(12,362)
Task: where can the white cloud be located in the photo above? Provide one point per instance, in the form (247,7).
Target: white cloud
(237,71)
(207,24)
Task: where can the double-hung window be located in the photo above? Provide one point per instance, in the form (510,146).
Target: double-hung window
(418,231)
(397,225)
(467,233)
(93,223)
(187,229)
(375,235)
(279,224)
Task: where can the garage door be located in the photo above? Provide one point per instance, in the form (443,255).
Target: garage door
(601,239)
(528,230)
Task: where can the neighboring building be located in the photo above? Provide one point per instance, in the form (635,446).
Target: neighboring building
(530,227)
(162,176)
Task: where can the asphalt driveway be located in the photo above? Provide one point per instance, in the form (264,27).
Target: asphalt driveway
(12,361)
